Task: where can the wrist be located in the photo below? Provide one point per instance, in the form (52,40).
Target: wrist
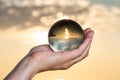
(27,67)
(24,70)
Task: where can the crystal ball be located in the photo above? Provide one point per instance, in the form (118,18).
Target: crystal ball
(65,35)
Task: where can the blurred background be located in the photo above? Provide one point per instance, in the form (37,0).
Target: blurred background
(25,24)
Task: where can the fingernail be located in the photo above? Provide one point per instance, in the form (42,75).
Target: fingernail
(88,29)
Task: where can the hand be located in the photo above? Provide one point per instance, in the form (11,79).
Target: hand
(42,58)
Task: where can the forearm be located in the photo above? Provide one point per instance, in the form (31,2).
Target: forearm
(23,70)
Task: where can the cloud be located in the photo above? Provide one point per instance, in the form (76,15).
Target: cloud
(30,16)
(104,18)
(26,15)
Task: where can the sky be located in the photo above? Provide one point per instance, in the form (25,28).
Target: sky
(108,2)
(26,25)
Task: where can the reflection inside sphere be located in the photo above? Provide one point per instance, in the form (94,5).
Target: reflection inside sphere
(65,35)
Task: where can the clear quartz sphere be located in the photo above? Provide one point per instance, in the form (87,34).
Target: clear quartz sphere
(65,35)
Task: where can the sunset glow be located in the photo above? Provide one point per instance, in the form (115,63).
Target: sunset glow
(59,79)
(24,24)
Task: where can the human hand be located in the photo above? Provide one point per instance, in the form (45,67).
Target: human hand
(46,59)
(42,58)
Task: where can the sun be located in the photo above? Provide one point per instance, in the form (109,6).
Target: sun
(60,79)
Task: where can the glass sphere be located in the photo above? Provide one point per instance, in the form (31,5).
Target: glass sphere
(65,35)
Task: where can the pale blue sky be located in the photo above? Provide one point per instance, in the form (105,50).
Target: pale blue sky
(108,2)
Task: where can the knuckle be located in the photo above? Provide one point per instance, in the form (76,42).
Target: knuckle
(65,67)
(86,55)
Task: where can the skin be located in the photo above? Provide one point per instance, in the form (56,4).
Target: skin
(42,58)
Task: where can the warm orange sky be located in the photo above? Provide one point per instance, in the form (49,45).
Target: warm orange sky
(103,62)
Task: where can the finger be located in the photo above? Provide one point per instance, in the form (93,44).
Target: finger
(86,31)
(78,52)
(84,55)
(72,55)
(69,63)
